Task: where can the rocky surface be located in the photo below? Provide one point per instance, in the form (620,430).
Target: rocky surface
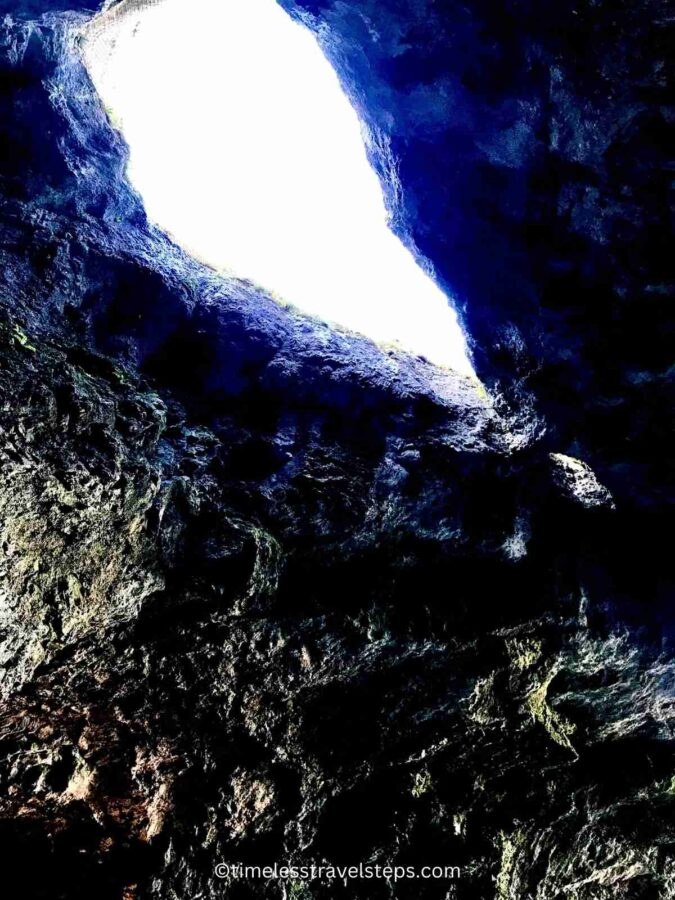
(269,594)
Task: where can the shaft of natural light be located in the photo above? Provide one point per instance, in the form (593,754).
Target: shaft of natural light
(246,150)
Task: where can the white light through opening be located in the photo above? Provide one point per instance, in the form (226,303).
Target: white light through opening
(248,153)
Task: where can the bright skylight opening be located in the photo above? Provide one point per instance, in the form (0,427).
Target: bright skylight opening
(246,150)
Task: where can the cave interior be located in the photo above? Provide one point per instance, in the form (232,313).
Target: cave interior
(271,592)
